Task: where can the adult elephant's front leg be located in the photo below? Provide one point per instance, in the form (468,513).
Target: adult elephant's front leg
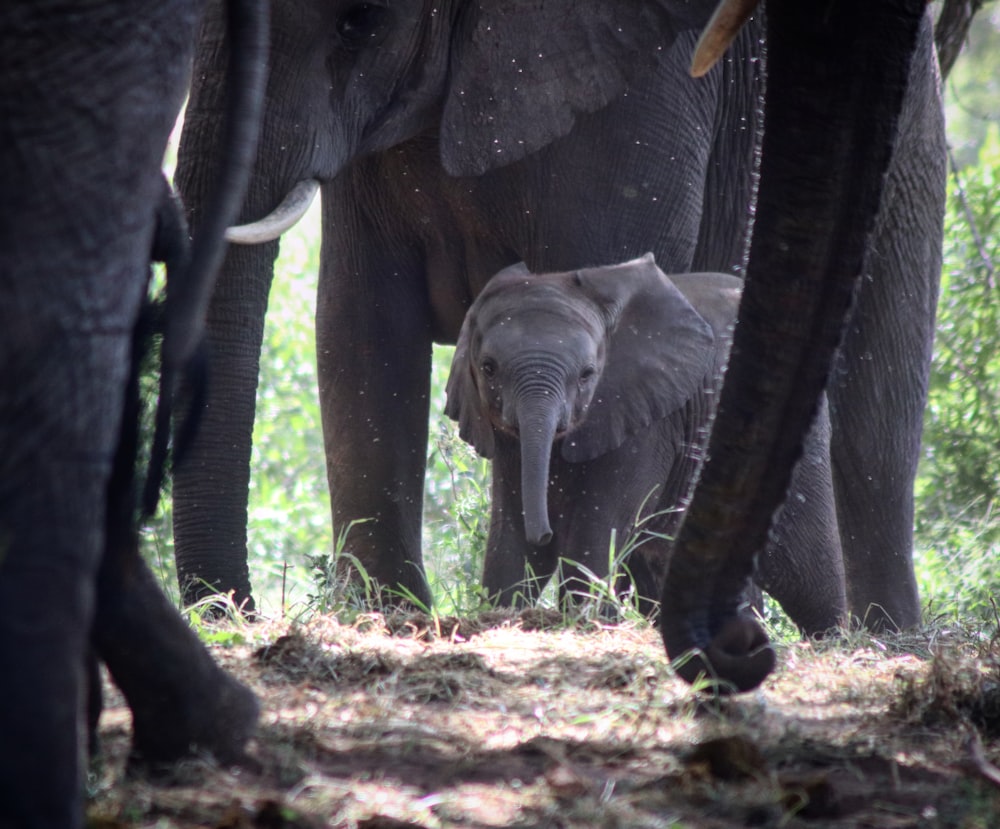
(373,351)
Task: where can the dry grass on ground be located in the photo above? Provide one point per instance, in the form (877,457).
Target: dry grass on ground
(508,720)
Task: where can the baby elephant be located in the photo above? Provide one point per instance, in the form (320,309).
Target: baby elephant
(591,391)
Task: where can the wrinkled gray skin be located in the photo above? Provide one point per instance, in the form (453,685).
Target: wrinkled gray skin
(590,390)
(88,95)
(846,89)
(453,139)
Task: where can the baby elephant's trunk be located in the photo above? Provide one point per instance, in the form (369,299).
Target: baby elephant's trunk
(537,424)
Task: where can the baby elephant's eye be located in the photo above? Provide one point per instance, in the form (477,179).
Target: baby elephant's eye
(488,367)
(588,374)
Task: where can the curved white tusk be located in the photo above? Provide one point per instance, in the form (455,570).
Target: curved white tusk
(292,208)
(726,22)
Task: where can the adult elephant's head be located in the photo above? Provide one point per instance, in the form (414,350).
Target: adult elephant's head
(493,82)
(836,76)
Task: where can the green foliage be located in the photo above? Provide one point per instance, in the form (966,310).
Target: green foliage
(289,513)
(959,483)
(962,424)
(957,568)
(972,98)
(456,510)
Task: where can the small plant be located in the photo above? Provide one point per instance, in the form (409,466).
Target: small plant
(611,597)
(341,582)
(614,596)
(456,522)
(217,620)
(956,564)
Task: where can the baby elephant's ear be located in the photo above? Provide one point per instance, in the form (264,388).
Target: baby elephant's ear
(660,353)
(463,405)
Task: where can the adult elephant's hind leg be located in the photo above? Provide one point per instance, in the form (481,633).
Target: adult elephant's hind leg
(879,388)
(373,353)
(802,567)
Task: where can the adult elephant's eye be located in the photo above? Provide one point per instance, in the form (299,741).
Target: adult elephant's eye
(588,374)
(363,25)
(488,367)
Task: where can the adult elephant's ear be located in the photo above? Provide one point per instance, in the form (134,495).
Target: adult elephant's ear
(522,70)
(660,354)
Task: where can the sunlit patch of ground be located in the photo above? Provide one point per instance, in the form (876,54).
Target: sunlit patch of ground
(415,722)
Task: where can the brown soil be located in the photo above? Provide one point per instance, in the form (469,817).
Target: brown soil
(514,720)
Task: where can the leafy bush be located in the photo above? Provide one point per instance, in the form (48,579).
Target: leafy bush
(289,511)
(959,481)
(962,425)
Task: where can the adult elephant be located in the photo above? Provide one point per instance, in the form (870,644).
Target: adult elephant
(842,83)
(88,95)
(452,139)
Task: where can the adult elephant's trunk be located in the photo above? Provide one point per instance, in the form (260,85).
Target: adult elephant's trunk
(538,419)
(210,486)
(836,78)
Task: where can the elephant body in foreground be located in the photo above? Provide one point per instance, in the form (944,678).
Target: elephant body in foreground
(592,391)
(456,138)
(89,93)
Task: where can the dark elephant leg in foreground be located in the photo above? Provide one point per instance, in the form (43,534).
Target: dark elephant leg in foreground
(835,90)
(88,95)
(79,182)
(182,702)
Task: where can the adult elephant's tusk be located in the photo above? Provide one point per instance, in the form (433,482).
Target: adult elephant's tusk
(721,31)
(292,208)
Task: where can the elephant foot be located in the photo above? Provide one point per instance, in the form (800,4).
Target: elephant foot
(738,657)
(183,704)
(217,719)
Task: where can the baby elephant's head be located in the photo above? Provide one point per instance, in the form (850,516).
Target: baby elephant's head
(584,357)
(536,352)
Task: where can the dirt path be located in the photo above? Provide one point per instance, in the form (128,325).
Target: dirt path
(513,722)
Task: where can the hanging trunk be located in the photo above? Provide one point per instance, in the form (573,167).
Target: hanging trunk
(835,84)
(210,487)
(537,421)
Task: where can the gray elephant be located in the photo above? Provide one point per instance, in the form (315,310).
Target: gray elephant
(591,391)
(89,93)
(845,96)
(452,139)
